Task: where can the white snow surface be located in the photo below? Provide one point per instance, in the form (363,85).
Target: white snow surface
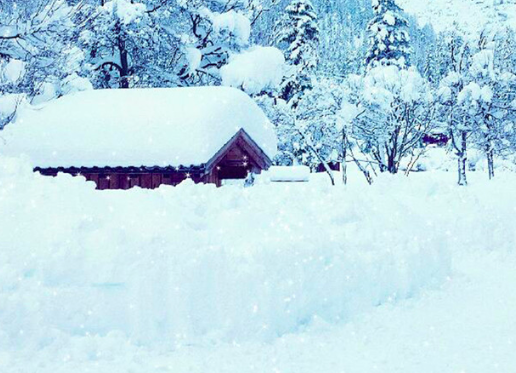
(289,173)
(198,263)
(408,275)
(137,127)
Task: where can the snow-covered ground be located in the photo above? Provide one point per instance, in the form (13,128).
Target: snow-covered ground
(408,275)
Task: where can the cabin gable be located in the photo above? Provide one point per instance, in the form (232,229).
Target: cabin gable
(239,157)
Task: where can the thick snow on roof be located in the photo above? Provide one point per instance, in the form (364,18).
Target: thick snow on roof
(137,127)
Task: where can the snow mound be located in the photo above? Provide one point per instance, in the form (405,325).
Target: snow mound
(96,276)
(137,127)
(289,173)
(195,262)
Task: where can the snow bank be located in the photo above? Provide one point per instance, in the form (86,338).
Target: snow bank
(92,276)
(137,127)
(180,265)
(255,70)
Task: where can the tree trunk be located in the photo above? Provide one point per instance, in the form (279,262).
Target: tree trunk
(314,151)
(344,155)
(124,60)
(392,167)
(326,167)
(490,162)
(124,73)
(323,162)
(391,149)
(366,173)
(462,159)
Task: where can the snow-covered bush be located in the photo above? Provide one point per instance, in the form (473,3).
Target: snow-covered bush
(257,70)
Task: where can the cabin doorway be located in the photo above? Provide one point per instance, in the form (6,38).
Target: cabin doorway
(232,172)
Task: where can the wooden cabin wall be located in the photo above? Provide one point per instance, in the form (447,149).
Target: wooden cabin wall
(229,168)
(212,177)
(150,180)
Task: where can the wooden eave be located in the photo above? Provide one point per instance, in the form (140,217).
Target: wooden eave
(121,169)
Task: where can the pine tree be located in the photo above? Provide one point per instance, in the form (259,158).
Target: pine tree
(388,36)
(298,36)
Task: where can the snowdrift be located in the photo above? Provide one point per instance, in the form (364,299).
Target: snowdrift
(194,263)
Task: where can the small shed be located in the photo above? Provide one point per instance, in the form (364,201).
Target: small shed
(121,138)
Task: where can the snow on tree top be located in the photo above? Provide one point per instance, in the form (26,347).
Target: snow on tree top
(137,127)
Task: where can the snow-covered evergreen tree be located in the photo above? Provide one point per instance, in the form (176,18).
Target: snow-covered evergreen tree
(388,36)
(297,34)
(343,36)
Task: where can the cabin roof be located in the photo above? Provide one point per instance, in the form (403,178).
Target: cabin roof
(138,127)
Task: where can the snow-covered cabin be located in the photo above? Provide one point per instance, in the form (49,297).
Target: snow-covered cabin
(146,137)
